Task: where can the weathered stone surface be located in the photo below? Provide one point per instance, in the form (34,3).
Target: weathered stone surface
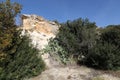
(38,29)
(34,22)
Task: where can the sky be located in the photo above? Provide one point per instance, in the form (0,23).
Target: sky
(103,12)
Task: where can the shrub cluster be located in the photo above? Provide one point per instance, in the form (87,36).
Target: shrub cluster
(24,63)
(106,53)
(56,51)
(73,40)
(87,44)
(18,59)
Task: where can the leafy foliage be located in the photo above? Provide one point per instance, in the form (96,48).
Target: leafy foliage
(8,33)
(74,40)
(24,63)
(8,12)
(8,46)
(104,56)
(56,51)
(89,45)
(18,59)
(106,53)
(77,36)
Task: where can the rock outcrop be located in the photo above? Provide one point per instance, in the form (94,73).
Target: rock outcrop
(34,22)
(40,31)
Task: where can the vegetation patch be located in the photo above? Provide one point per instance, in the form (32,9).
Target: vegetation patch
(87,44)
(18,59)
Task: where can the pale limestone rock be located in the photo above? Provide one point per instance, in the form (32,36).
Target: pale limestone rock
(39,31)
(39,24)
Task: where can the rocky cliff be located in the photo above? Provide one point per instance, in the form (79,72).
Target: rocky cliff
(39,29)
(38,23)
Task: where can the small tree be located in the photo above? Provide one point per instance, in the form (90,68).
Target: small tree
(8,12)
(18,59)
(25,62)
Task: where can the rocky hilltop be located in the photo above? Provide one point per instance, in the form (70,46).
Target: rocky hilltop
(40,31)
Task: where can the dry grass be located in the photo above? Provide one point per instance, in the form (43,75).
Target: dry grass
(98,78)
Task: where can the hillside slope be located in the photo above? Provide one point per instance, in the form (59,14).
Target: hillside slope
(40,31)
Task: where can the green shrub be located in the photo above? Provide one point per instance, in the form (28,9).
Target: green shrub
(8,12)
(74,39)
(106,53)
(56,51)
(18,59)
(104,56)
(24,63)
(77,37)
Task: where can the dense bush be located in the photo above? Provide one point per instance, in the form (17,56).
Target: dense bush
(106,53)
(77,37)
(104,56)
(74,40)
(8,12)
(89,45)
(18,59)
(111,34)
(24,63)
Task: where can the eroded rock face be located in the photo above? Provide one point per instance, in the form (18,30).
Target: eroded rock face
(39,29)
(39,24)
